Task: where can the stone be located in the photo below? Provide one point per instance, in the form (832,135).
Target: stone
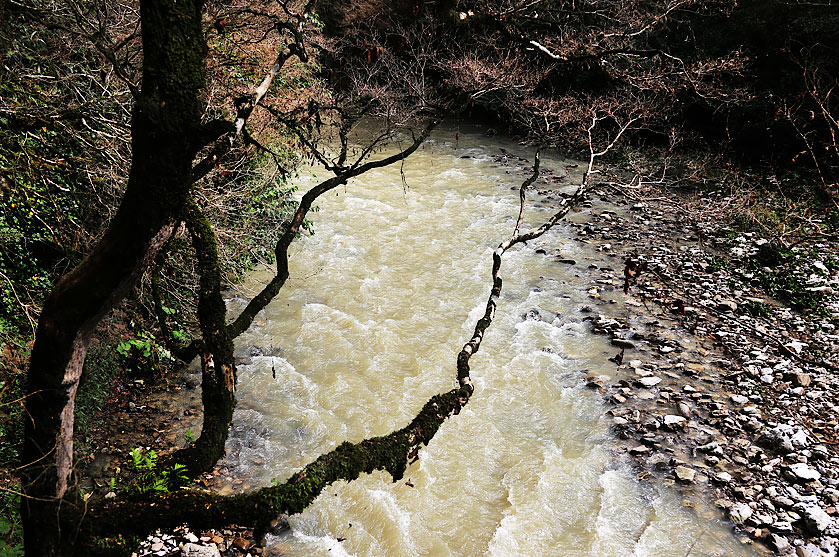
(658,461)
(532,315)
(796,346)
(808,550)
(783,438)
(778,543)
(722,477)
(685,474)
(195,550)
(739,399)
(739,512)
(804,473)
(783,526)
(674,422)
(815,520)
(650,381)
(622,343)
(727,305)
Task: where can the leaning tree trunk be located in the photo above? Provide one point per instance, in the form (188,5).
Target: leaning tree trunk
(165,122)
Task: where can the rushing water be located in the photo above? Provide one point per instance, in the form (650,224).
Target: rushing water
(379,301)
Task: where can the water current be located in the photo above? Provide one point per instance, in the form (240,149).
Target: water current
(379,301)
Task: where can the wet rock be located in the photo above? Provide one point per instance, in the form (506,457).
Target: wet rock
(740,512)
(673,422)
(240,543)
(279,525)
(622,343)
(658,461)
(650,381)
(685,474)
(532,315)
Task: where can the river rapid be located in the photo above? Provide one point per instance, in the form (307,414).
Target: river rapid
(367,328)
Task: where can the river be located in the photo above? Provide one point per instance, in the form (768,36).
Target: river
(367,328)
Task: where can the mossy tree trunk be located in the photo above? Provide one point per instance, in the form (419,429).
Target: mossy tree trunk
(165,120)
(218,370)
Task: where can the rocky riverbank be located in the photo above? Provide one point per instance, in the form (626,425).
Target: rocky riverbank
(721,388)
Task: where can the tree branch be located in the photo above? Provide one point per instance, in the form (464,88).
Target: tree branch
(258,302)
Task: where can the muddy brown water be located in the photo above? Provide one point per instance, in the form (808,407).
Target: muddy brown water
(379,301)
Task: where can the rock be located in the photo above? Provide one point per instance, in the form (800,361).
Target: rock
(803,473)
(190,537)
(640,449)
(658,461)
(783,438)
(722,477)
(685,474)
(240,542)
(778,543)
(739,512)
(622,343)
(801,379)
(674,422)
(814,519)
(739,399)
(796,346)
(650,381)
(808,550)
(727,305)
(195,550)
(783,526)
(532,315)
(279,525)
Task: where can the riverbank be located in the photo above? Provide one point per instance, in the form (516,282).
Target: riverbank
(665,393)
(721,389)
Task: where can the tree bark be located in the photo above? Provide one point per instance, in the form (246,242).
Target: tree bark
(165,119)
(218,370)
